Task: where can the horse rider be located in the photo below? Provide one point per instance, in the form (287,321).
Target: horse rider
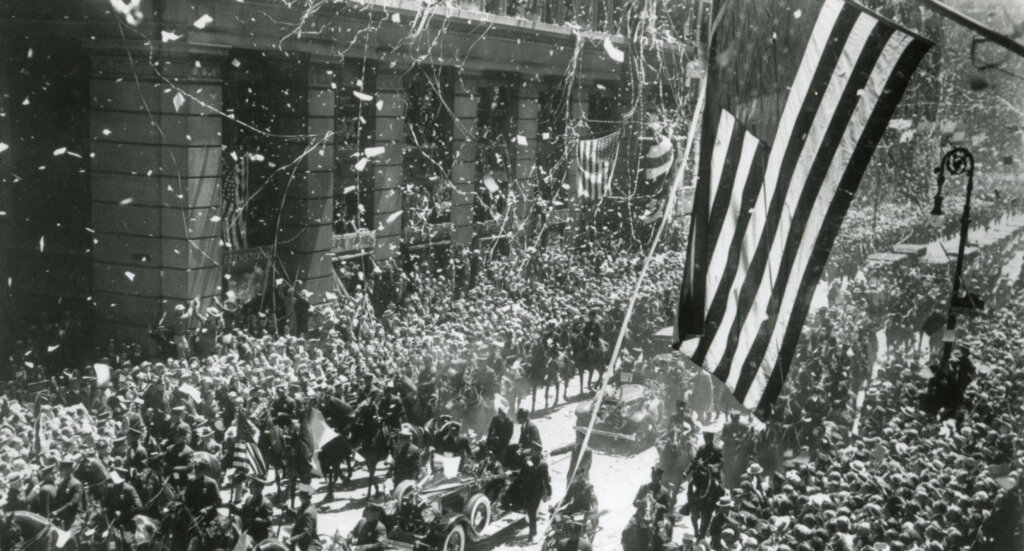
(304,537)
(709,455)
(202,495)
(120,503)
(581,498)
(369,533)
(256,513)
(68,511)
(178,459)
(653,502)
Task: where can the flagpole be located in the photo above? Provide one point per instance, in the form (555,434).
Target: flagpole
(677,181)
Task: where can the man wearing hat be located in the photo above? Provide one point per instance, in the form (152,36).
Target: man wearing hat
(581,498)
(256,513)
(304,536)
(529,434)
(69,505)
(723,519)
(120,503)
(369,533)
(536,486)
(575,539)
(406,458)
(205,441)
(656,490)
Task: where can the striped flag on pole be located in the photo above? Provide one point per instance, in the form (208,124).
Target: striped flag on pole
(764,217)
(247,456)
(596,159)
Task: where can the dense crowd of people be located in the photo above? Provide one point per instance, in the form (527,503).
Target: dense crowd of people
(426,359)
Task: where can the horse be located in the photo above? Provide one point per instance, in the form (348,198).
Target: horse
(370,440)
(675,454)
(515,384)
(337,450)
(702,494)
(27,531)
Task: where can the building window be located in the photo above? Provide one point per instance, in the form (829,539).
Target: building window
(353,126)
(552,157)
(428,154)
(497,112)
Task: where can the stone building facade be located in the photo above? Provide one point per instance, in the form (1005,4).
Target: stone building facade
(121,138)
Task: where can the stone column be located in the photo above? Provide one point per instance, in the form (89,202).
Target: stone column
(464,161)
(305,237)
(526,155)
(389,133)
(155,170)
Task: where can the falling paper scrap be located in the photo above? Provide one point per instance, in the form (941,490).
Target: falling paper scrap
(178,100)
(616,54)
(203,21)
(361,96)
(130,276)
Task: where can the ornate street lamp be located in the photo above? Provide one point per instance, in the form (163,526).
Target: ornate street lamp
(957,161)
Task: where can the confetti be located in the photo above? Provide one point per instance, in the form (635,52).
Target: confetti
(361,164)
(395,18)
(616,54)
(3,147)
(169,36)
(106,132)
(521,140)
(42,244)
(380,104)
(178,100)
(203,21)
(235,63)
(215,218)
(130,276)
(127,201)
(797,14)
(361,96)
(394,216)
(372,152)
(59,151)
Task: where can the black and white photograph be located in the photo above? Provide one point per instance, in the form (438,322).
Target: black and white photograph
(511,275)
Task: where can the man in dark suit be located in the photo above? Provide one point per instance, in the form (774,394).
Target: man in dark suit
(69,506)
(407,458)
(536,486)
(529,434)
(304,537)
(499,434)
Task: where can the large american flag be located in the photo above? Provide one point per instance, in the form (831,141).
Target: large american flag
(596,161)
(765,217)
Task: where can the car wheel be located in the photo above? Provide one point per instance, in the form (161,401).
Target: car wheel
(402,489)
(455,540)
(478,511)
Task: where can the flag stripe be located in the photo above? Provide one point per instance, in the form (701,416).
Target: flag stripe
(727,180)
(883,107)
(596,162)
(817,194)
(745,192)
(823,52)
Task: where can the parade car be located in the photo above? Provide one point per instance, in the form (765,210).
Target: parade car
(630,415)
(444,513)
